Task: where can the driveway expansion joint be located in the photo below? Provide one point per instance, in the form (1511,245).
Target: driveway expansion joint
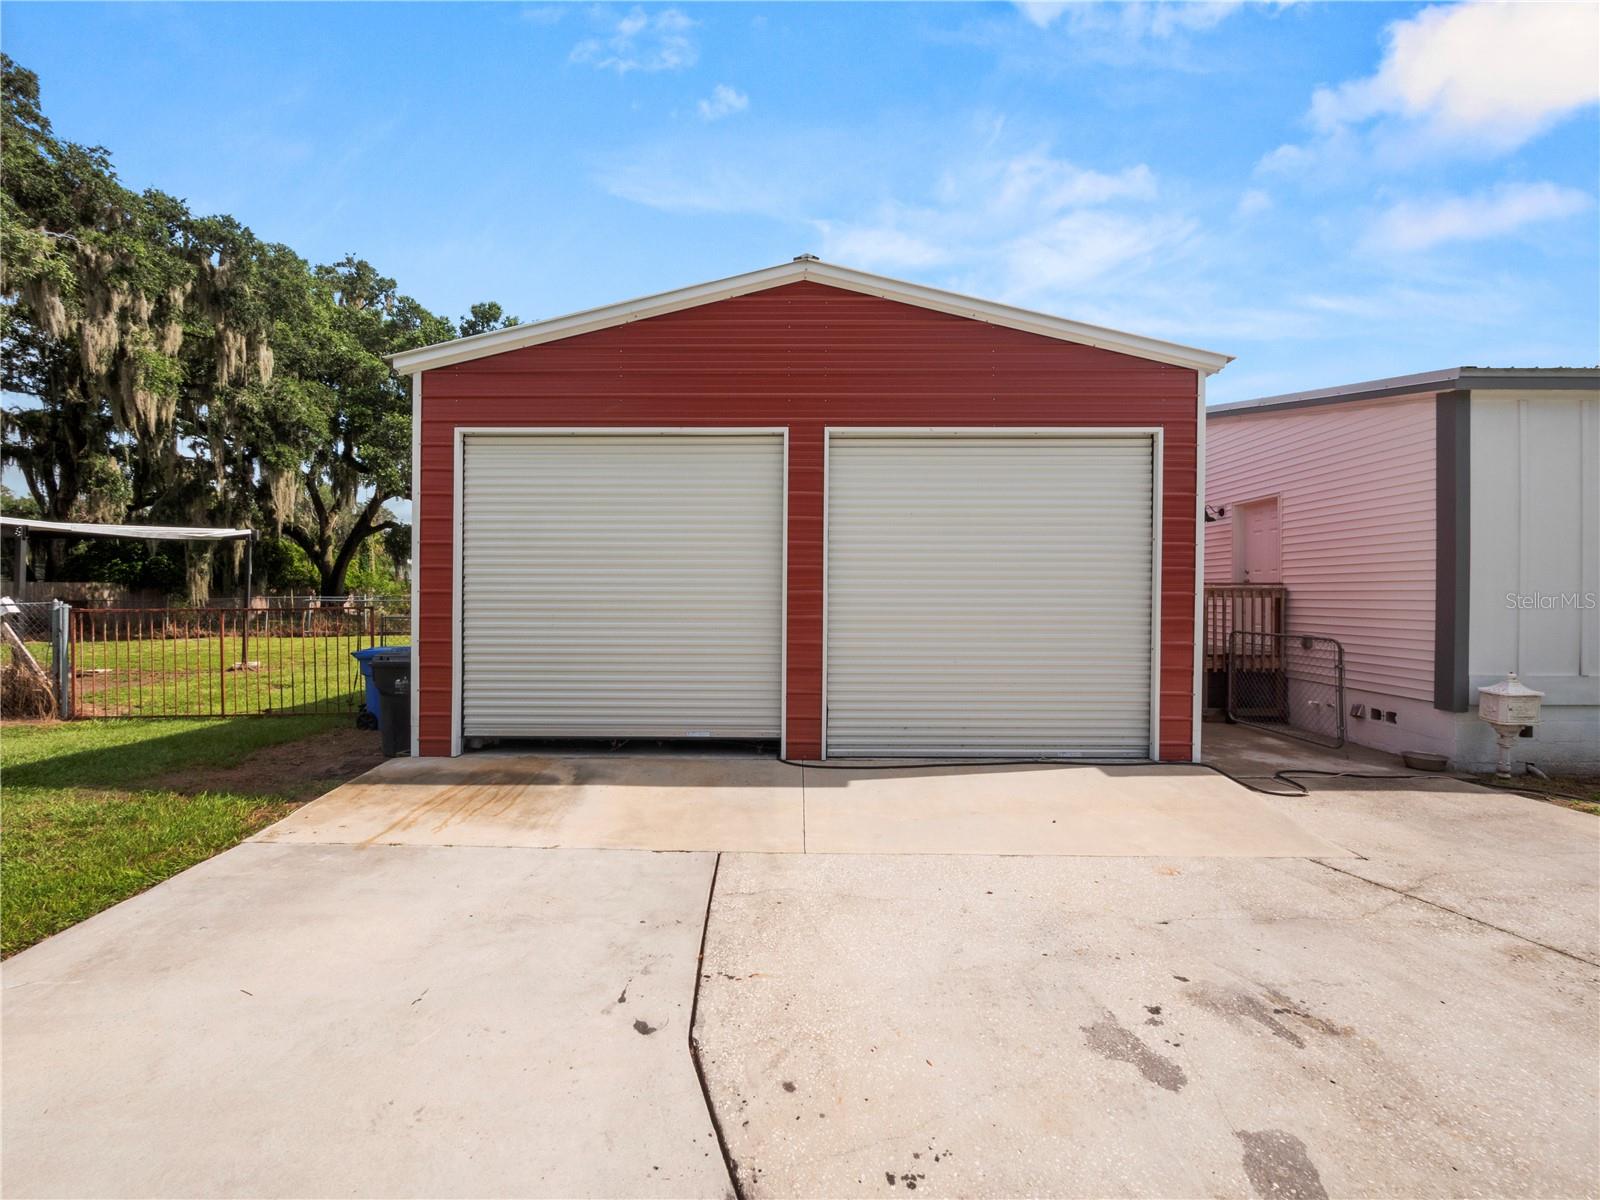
(728,1162)
(1456,912)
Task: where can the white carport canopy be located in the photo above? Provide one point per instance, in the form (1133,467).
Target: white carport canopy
(152,533)
(22,527)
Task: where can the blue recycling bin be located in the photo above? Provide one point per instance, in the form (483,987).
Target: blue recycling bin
(365,658)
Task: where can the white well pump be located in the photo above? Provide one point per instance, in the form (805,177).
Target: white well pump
(1508,707)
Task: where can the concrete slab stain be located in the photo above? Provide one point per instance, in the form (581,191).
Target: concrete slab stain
(1241,1006)
(537,795)
(1111,1041)
(1288,1007)
(644,1027)
(1278,1167)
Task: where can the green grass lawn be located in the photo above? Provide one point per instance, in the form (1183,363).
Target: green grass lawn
(92,812)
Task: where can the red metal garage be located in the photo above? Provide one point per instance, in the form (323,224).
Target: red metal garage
(861,515)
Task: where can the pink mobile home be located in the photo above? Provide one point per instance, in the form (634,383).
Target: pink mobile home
(1444,528)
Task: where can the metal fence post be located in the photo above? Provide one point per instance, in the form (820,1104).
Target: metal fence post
(222,661)
(61,654)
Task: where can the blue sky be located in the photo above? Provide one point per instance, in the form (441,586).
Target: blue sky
(1330,192)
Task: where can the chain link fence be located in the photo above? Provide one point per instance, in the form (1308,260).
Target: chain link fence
(35,665)
(1287,683)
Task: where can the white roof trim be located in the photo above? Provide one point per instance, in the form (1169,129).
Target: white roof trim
(497,341)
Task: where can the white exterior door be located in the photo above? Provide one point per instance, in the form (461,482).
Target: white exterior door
(1260,552)
(990,595)
(621,585)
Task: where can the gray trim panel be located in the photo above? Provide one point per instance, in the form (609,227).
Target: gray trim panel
(1453,548)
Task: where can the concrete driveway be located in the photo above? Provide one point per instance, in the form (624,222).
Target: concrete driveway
(739,803)
(399,1021)
(1395,993)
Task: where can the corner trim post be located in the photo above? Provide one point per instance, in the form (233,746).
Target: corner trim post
(1453,548)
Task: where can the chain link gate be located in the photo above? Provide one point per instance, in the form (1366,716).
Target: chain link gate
(35,664)
(1288,683)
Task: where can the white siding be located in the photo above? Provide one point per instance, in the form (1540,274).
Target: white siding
(1356,491)
(1536,534)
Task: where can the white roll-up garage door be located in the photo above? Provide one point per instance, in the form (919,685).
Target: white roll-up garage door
(621,585)
(989,595)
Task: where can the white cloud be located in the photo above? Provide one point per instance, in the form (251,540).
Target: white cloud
(1020,227)
(1023,225)
(1422,224)
(1501,71)
(736,169)
(1042,13)
(654,180)
(973,209)
(1151,18)
(1252,202)
(1480,77)
(1191,15)
(641,41)
(1035,180)
(1080,248)
(880,246)
(724,101)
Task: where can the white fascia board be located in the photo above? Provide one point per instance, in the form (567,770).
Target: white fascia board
(498,341)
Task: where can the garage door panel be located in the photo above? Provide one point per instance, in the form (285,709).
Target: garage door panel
(989,595)
(622,585)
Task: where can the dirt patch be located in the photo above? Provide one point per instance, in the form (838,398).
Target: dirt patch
(1581,793)
(296,770)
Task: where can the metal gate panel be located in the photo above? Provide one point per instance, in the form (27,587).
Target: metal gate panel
(621,585)
(1288,683)
(990,595)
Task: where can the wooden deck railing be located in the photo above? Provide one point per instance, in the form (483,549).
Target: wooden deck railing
(1253,607)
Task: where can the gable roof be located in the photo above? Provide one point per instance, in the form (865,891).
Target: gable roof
(806,267)
(1448,380)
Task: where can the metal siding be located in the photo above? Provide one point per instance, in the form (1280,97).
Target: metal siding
(989,595)
(621,585)
(805,357)
(1356,509)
